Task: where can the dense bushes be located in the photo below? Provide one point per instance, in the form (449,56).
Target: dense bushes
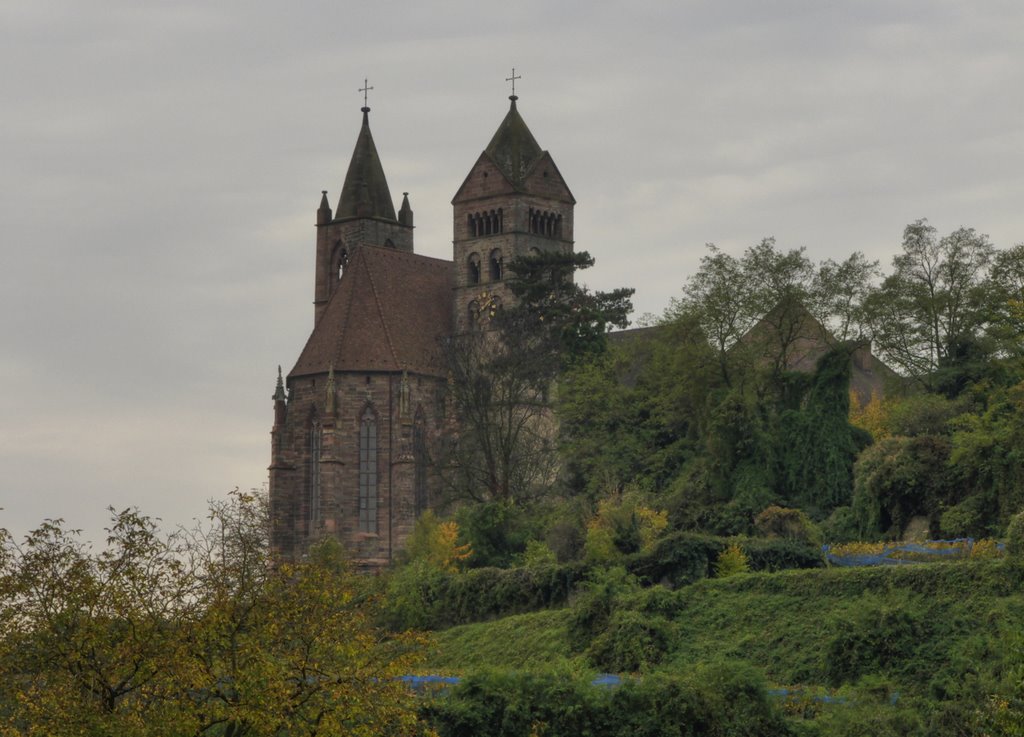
(876,637)
(722,700)
(632,641)
(422,596)
(682,558)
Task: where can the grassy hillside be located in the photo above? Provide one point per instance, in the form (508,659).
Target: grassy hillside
(946,639)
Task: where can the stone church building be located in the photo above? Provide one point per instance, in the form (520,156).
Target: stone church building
(354,417)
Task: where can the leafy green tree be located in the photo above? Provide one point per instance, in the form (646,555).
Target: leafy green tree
(635,415)
(931,312)
(1007,300)
(986,465)
(899,478)
(502,377)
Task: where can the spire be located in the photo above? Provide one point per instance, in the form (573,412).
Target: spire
(405,213)
(513,147)
(323,214)
(365,192)
(280,411)
(279,395)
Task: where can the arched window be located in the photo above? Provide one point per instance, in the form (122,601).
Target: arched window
(419,455)
(339,260)
(473,315)
(497,265)
(313,490)
(368,471)
(473,265)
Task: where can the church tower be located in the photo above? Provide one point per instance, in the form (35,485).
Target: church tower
(513,202)
(355,416)
(365,216)
(368,398)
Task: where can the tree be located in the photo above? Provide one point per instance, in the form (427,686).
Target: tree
(191,634)
(1007,300)
(501,377)
(86,637)
(757,310)
(636,415)
(931,312)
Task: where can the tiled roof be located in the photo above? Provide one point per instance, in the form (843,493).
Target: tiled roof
(386,315)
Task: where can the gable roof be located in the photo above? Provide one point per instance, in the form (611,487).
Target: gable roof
(386,315)
(513,148)
(522,165)
(365,192)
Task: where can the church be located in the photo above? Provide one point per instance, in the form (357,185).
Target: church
(354,417)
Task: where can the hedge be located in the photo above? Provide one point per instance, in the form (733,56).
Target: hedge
(723,699)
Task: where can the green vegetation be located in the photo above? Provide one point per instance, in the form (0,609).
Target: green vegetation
(703,464)
(944,637)
(193,633)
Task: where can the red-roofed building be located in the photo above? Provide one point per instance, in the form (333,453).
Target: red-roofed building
(354,418)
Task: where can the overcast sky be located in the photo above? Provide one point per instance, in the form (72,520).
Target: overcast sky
(161,164)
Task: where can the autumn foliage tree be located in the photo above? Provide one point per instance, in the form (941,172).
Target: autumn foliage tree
(191,633)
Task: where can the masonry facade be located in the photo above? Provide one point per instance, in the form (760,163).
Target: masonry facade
(367,397)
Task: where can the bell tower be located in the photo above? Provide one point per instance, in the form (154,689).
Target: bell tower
(513,202)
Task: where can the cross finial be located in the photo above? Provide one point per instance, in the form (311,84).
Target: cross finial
(365,89)
(513,79)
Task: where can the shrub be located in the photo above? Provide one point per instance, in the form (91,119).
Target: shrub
(789,524)
(841,526)
(731,561)
(496,531)
(538,555)
(781,555)
(424,597)
(630,642)
(1015,536)
(724,700)
(596,602)
(435,543)
(876,638)
(622,526)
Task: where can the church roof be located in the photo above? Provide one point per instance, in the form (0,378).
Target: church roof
(386,315)
(513,148)
(365,192)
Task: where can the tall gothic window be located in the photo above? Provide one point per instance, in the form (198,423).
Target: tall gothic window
(419,454)
(368,471)
(315,435)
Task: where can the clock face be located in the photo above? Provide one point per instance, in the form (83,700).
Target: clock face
(485,307)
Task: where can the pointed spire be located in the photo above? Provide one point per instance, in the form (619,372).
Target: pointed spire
(365,192)
(323,214)
(513,147)
(405,213)
(279,394)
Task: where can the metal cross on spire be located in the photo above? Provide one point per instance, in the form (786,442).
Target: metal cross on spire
(365,89)
(513,79)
